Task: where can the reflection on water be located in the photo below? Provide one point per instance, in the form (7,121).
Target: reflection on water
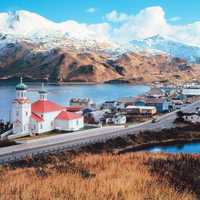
(62,94)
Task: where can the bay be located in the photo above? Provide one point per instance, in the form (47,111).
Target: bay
(63,93)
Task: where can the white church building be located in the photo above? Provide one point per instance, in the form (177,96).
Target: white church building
(41,116)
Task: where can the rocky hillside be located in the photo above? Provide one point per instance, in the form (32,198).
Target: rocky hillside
(64,65)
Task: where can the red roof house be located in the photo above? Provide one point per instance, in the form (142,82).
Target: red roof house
(64,115)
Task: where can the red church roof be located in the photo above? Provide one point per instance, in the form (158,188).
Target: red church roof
(36,117)
(64,115)
(42,106)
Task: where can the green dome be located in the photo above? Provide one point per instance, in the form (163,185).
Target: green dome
(21,85)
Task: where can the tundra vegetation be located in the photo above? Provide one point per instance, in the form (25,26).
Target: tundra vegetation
(102,176)
(108,171)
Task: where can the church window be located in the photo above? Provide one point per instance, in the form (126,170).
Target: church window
(41,126)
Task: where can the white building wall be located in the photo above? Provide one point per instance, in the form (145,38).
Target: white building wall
(119,120)
(20,117)
(35,126)
(69,125)
(191,91)
(49,121)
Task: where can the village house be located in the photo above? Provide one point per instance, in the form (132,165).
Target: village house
(41,116)
(109,105)
(114,118)
(191,89)
(75,109)
(125,101)
(119,119)
(94,117)
(162,104)
(141,110)
(83,103)
(169,90)
(156,92)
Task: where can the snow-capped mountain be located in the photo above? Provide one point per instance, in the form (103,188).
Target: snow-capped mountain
(33,28)
(169,46)
(39,49)
(25,26)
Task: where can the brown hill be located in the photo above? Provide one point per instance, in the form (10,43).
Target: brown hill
(65,65)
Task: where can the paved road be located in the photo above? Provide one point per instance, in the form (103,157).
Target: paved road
(82,138)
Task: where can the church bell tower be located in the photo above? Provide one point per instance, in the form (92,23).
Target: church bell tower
(21,110)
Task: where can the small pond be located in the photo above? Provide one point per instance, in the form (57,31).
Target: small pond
(181,148)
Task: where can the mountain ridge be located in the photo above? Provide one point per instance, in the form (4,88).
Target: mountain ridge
(49,51)
(169,46)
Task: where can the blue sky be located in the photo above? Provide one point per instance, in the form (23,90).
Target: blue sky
(186,11)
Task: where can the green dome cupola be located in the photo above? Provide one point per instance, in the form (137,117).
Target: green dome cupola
(21,85)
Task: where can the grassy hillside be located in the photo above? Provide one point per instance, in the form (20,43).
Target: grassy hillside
(105,176)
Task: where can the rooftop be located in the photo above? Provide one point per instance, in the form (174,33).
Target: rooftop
(73,108)
(64,115)
(46,106)
(84,100)
(155,92)
(154,100)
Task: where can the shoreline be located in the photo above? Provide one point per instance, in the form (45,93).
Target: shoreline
(144,140)
(12,82)
(144,147)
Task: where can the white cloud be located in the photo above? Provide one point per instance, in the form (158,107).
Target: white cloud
(152,21)
(91,10)
(148,22)
(115,16)
(99,32)
(119,27)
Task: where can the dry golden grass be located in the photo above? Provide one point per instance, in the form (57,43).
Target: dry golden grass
(88,177)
